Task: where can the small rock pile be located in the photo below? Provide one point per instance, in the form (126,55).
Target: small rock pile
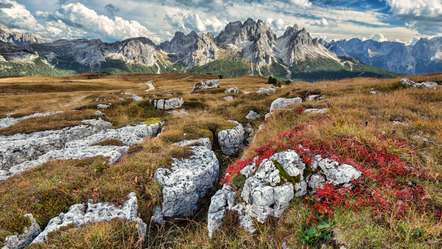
(426,84)
(268,188)
(207,84)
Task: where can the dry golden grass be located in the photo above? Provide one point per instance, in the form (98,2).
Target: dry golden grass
(352,111)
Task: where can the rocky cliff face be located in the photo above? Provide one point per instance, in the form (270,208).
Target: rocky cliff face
(423,57)
(191,49)
(252,40)
(297,45)
(9,36)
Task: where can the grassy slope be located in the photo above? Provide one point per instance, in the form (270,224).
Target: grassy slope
(353,112)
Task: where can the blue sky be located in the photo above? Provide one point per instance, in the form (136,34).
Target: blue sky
(110,20)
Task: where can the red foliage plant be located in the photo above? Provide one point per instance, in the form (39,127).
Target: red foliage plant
(382,186)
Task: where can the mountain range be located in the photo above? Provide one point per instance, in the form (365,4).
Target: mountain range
(241,48)
(425,56)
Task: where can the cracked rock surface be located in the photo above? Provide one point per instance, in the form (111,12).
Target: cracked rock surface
(231,140)
(24,239)
(282,103)
(24,151)
(186,183)
(8,121)
(80,214)
(266,193)
(168,104)
(207,84)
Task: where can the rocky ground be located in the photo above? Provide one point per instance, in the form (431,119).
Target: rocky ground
(183,160)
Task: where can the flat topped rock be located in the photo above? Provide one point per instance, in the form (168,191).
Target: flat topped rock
(282,103)
(168,104)
(207,84)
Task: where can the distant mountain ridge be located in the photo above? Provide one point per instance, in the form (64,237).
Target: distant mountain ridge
(242,48)
(9,36)
(423,57)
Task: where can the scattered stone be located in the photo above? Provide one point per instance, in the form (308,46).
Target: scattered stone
(207,84)
(24,239)
(281,103)
(248,132)
(232,90)
(267,194)
(100,99)
(99,113)
(314,110)
(80,214)
(312,97)
(267,91)
(231,140)
(228,98)
(8,121)
(374,92)
(136,98)
(186,183)
(426,84)
(103,106)
(168,104)
(253,115)
(201,141)
(178,112)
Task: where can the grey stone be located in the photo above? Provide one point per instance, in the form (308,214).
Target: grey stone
(136,98)
(207,84)
(248,133)
(337,174)
(26,151)
(231,140)
(232,90)
(80,214)
(282,103)
(187,182)
(265,194)
(19,148)
(407,82)
(267,91)
(103,106)
(24,239)
(228,98)
(8,121)
(427,84)
(203,141)
(314,110)
(252,115)
(168,104)
(312,97)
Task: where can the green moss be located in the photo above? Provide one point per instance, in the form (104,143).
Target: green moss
(154,120)
(237,181)
(283,174)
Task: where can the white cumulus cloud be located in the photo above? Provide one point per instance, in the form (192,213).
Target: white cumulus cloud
(16,16)
(379,37)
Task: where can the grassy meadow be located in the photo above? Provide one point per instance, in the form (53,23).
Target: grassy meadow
(394,137)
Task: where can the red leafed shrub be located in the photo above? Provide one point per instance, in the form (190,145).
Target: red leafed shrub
(382,186)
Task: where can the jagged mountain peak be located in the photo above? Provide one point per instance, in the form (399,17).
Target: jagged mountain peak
(9,36)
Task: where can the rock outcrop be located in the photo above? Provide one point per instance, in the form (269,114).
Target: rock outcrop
(232,90)
(267,91)
(270,186)
(8,121)
(168,104)
(281,103)
(24,239)
(426,84)
(80,214)
(231,140)
(207,84)
(186,183)
(252,115)
(24,151)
